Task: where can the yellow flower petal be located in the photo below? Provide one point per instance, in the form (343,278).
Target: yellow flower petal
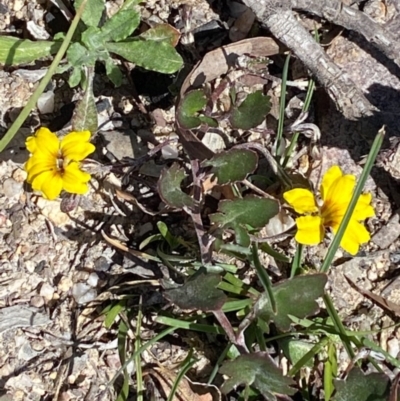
(363,209)
(35,167)
(309,230)
(75,146)
(302,200)
(329,178)
(75,180)
(44,141)
(49,182)
(355,235)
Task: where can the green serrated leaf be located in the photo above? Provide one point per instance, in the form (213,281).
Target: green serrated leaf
(162,33)
(14,51)
(360,387)
(79,56)
(113,72)
(251,112)
(259,371)
(154,56)
(85,114)
(252,211)
(296,297)
(120,25)
(189,109)
(93,11)
(232,165)
(169,188)
(200,293)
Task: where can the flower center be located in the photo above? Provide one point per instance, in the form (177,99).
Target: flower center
(61,163)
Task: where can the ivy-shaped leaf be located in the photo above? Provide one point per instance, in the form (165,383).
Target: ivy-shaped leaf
(200,293)
(296,296)
(169,188)
(360,387)
(149,54)
(251,211)
(259,371)
(232,165)
(189,110)
(251,112)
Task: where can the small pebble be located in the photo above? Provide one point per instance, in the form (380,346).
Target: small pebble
(47,291)
(11,188)
(83,293)
(93,280)
(19,175)
(64,284)
(37,301)
(45,102)
(393,347)
(101,264)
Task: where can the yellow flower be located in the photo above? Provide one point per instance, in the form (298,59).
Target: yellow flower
(336,191)
(53,165)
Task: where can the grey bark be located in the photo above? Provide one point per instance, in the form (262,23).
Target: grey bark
(352,19)
(278,17)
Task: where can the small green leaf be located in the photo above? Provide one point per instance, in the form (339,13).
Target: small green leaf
(162,33)
(120,25)
(93,11)
(79,56)
(296,297)
(200,292)
(172,240)
(190,107)
(232,165)
(75,77)
(85,114)
(360,387)
(295,349)
(154,56)
(251,112)
(113,312)
(113,72)
(169,188)
(259,371)
(93,39)
(14,51)
(252,211)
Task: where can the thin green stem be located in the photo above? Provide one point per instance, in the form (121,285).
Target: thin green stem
(263,276)
(282,103)
(43,83)
(149,343)
(350,209)
(338,325)
(188,363)
(218,364)
(138,362)
(296,263)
